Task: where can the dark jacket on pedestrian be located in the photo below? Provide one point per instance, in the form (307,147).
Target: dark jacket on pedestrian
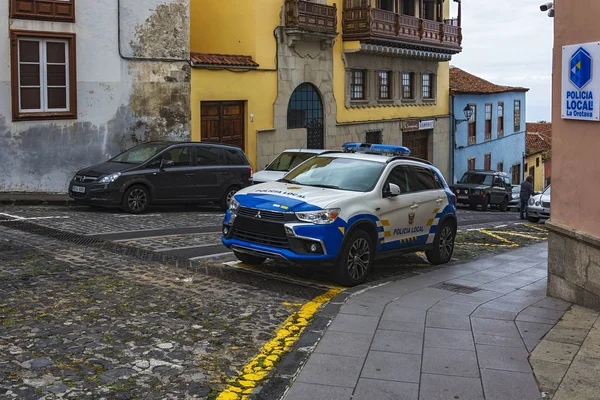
(526,190)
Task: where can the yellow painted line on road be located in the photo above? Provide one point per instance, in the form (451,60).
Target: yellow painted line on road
(531,236)
(502,239)
(288,333)
(536,228)
(485,244)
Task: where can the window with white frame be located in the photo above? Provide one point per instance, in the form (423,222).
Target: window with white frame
(43,75)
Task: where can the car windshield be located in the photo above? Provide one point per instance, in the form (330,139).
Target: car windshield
(140,154)
(337,173)
(287,161)
(546,191)
(478,179)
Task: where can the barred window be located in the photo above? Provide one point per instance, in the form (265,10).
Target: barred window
(427,87)
(384,85)
(357,84)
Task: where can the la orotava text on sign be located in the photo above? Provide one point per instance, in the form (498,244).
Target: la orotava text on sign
(579,86)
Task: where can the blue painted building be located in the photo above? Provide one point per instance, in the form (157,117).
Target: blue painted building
(489,126)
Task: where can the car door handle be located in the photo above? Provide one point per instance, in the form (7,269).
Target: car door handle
(439,200)
(414,206)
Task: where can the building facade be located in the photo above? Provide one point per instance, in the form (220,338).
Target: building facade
(280,74)
(493,137)
(538,147)
(574,231)
(84,79)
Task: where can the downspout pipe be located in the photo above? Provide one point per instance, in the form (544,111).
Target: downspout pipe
(452,138)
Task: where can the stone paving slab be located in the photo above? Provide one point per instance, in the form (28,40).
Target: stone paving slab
(450,345)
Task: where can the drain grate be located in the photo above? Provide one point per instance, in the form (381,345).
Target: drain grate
(451,287)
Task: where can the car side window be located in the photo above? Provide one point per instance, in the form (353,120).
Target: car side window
(400,176)
(506,182)
(234,157)
(209,156)
(422,179)
(181,157)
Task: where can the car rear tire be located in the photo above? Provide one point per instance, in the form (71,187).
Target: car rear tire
(136,199)
(443,244)
(355,260)
(485,204)
(504,205)
(248,258)
(229,193)
(533,219)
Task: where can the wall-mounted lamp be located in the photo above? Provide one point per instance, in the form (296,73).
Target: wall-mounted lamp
(468,111)
(251,117)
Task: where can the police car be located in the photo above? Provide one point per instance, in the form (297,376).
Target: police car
(345,209)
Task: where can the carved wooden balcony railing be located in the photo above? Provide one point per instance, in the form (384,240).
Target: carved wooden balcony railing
(363,22)
(311,16)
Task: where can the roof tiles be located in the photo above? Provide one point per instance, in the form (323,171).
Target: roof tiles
(462,82)
(539,137)
(222,60)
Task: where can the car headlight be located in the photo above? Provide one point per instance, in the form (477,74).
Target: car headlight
(531,201)
(233,205)
(110,178)
(320,217)
(482,192)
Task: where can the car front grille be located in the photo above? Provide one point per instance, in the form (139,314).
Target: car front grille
(260,238)
(260,214)
(546,204)
(85,179)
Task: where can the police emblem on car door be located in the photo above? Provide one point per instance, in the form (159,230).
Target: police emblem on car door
(411,218)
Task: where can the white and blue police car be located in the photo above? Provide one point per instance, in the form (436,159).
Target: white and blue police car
(345,209)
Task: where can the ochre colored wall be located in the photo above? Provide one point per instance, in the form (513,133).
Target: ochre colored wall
(538,178)
(257,88)
(378,113)
(575,144)
(242,27)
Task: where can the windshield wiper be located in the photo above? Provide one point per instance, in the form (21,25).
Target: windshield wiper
(323,186)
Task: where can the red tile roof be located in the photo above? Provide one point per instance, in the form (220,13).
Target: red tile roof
(462,82)
(222,60)
(539,137)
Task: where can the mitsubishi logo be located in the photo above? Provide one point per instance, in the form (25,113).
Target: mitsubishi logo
(258,215)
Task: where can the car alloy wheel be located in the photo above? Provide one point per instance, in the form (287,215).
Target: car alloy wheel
(137,200)
(230,195)
(358,260)
(446,243)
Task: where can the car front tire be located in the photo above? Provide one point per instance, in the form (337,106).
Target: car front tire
(229,193)
(443,244)
(136,199)
(355,259)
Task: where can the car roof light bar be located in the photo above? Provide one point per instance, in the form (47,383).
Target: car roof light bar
(382,149)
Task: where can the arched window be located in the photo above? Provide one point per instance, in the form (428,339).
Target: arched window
(305,107)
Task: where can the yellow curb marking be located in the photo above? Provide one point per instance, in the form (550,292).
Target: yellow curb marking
(485,244)
(286,335)
(530,236)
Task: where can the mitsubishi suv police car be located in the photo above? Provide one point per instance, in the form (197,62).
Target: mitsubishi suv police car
(344,209)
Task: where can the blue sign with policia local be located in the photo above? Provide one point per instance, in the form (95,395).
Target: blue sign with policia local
(581,82)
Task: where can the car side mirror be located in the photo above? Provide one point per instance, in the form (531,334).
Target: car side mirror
(391,190)
(166,163)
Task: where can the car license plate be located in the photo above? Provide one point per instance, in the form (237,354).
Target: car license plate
(78,189)
(463,197)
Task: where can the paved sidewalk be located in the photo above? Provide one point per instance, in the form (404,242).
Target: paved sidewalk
(461,332)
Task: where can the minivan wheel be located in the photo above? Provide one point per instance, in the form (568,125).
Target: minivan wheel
(229,193)
(136,199)
(443,245)
(355,259)
(249,259)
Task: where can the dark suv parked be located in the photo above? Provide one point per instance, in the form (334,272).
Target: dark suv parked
(484,188)
(164,173)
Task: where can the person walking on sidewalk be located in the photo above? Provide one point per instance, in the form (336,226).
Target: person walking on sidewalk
(526,193)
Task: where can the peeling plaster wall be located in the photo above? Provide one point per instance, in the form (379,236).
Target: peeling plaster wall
(120,102)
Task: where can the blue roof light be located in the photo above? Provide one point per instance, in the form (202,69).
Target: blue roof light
(383,149)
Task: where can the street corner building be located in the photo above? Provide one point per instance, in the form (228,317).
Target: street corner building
(85,79)
(491,136)
(574,226)
(268,75)
(538,150)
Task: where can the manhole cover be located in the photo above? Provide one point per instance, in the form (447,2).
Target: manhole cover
(451,287)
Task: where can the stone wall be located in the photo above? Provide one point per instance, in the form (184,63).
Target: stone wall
(573,266)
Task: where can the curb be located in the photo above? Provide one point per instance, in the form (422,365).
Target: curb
(36,202)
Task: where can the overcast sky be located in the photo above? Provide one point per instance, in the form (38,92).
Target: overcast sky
(509,42)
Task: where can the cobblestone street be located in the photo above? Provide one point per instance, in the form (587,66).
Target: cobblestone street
(79,323)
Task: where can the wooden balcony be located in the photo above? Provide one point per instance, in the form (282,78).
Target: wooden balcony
(320,18)
(363,22)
